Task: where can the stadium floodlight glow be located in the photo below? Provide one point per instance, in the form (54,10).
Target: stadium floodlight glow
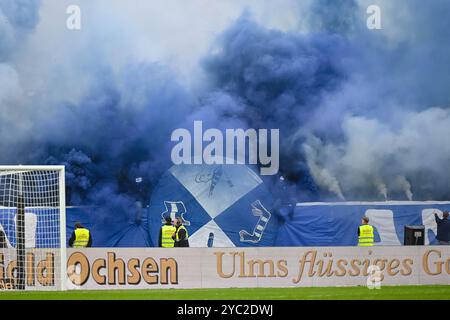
(32,228)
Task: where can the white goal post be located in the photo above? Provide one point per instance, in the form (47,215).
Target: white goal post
(32,228)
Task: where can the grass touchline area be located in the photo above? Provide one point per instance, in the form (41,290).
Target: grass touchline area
(440,292)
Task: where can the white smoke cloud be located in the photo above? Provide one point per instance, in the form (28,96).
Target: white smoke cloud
(416,147)
(321,175)
(10,87)
(381,187)
(405,186)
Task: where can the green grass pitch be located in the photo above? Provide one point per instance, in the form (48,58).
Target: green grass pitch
(324,293)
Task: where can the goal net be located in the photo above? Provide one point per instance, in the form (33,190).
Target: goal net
(32,228)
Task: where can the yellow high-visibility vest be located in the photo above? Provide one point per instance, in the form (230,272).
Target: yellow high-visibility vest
(166,236)
(81,238)
(366,236)
(178,230)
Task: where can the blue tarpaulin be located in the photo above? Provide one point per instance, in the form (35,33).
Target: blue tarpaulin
(305,224)
(336,224)
(109,234)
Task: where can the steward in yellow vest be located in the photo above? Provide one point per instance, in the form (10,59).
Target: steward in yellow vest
(166,233)
(81,237)
(181,235)
(365,233)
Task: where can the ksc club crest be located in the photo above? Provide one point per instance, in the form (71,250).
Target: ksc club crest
(229,201)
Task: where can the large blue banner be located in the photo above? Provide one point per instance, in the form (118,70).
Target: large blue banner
(304,224)
(336,224)
(249,221)
(226,204)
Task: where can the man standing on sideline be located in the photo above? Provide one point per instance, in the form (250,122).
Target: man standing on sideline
(165,234)
(181,235)
(443,229)
(81,237)
(365,233)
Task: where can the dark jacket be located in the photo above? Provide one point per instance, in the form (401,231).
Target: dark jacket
(72,239)
(183,241)
(443,229)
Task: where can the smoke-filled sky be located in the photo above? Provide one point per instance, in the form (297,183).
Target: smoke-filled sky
(363,114)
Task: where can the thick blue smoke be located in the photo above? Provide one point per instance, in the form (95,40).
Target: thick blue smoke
(108,141)
(17,18)
(280,78)
(118,131)
(347,99)
(350,94)
(333,16)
